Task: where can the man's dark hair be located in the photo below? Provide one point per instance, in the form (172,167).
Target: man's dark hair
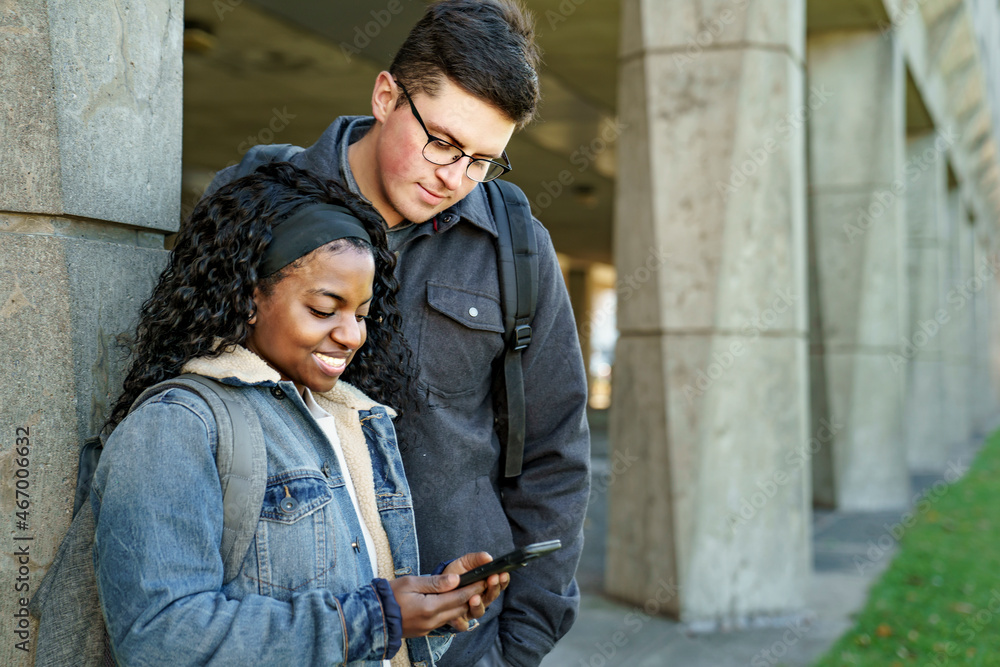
(486,47)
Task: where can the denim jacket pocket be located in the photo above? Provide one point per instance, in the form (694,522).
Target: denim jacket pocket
(293,496)
(293,548)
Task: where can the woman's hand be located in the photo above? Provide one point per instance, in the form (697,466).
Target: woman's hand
(427,603)
(477,603)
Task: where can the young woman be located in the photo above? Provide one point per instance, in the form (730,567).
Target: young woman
(279,285)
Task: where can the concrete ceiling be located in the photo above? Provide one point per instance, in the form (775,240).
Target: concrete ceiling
(845,14)
(277,71)
(263,71)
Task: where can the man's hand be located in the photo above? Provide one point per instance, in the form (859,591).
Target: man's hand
(477,603)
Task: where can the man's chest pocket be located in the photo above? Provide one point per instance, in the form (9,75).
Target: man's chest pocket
(461,335)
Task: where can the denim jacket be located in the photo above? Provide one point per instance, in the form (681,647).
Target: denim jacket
(304,595)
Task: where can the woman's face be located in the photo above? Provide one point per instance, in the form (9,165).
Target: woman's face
(313,321)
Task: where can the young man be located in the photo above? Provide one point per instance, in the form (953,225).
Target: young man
(463,81)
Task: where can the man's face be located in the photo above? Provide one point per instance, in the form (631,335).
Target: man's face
(414,188)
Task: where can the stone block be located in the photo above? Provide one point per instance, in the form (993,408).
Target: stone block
(926,415)
(730,220)
(29,150)
(928,307)
(108,285)
(926,194)
(735,451)
(986,403)
(860,131)
(643,526)
(868,455)
(859,270)
(99,94)
(691,28)
(63,304)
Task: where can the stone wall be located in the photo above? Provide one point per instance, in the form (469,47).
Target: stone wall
(92,136)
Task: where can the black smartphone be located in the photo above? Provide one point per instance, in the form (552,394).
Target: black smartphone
(515,559)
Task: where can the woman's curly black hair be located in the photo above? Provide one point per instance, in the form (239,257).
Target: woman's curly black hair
(203,301)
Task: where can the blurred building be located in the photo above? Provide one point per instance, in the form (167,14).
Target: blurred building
(799,202)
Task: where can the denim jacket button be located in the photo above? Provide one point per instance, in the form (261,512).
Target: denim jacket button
(289,504)
(277,392)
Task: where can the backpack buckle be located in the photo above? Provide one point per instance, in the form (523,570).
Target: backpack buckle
(522,336)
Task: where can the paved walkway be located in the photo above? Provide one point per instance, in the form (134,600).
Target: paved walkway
(608,633)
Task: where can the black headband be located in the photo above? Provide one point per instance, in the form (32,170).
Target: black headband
(310,227)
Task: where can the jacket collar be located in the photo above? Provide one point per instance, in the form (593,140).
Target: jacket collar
(328,156)
(241,367)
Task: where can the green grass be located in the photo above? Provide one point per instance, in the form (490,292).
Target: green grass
(938,603)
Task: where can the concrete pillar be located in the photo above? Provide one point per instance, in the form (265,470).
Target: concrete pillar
(919,357)
(91,147)
(966,315)
(857,190)
(986,268)
(956,336)
(993,257)
(712,522)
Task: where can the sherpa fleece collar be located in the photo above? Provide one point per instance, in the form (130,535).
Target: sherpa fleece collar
(240,364)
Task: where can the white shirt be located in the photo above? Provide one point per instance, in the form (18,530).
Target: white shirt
(327,422)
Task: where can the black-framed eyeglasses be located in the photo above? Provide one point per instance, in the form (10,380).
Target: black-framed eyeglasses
(440,152)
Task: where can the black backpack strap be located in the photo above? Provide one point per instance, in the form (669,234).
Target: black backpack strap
(517,258)
(241,458)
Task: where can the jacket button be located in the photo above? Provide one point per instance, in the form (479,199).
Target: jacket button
(289,504)
(277,392)
(474,311)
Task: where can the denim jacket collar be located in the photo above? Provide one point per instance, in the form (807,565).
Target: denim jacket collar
(238,366)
